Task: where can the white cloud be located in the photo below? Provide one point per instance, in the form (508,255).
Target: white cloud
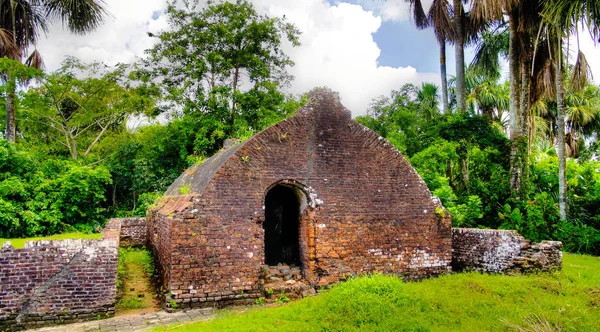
(337,49)
(120,39)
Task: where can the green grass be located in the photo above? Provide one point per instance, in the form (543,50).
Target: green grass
(20,243)
(568,300)
(134,271)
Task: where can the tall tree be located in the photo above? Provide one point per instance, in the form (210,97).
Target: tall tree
(439,18)
(21,22)
(524,20)
(79,112)
(563,17)
(459,53)
(223,64)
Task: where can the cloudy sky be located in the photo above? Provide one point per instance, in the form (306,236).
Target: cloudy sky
(361,48)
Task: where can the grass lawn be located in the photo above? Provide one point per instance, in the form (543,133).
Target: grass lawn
(20,243)
(568,300)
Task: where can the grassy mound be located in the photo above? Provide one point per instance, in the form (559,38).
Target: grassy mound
(566,300)
(20,243)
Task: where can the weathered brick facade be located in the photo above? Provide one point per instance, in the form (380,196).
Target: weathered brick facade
(51,282)
(361,208)
(133,232)
(492,250)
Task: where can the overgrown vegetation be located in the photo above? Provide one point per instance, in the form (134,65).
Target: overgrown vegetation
(565,300)
(134,279)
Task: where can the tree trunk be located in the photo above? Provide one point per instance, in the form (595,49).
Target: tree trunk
(464,168)
(72,146)
(560,139)
(10,131)
(444,78)
(515,89)
(459,47)
(523,146)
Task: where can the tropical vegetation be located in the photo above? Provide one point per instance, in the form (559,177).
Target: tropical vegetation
(89,141)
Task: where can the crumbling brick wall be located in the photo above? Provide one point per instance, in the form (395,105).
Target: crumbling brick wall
(365,210)
(133,232)
(491,250)
(51,282)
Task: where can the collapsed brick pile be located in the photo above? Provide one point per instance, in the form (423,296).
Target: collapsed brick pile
(543,256)
(491,250)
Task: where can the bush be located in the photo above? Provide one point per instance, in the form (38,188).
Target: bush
(43,197)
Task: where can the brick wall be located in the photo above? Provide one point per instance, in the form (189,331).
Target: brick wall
(364,209)
(133,232)
(490,250)
(51,282)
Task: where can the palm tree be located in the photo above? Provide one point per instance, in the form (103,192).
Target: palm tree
(427,99)
(21,22)
(459,51)
(524,20)
(439,18)
(565,16)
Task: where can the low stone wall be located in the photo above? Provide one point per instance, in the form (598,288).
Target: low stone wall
(52,282)
(133,232)
(491,250)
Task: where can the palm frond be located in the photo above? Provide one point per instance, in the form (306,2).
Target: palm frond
(440,17)
(79,16)
(8,47)
(35,60)
(24,19)
(487,10)
(582,73)
(488,51)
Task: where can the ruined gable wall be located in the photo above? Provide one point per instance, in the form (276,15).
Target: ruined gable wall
(50,282)
(371,212)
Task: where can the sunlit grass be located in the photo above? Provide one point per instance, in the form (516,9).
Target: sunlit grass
(134,271)
(568,300)
(20,243)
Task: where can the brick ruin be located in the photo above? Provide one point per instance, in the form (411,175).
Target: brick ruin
(318,192)
(494,250)
(60,281)
(133,232)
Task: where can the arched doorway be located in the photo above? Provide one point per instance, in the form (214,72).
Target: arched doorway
(282,226)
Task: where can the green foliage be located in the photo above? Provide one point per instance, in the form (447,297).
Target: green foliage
(41,197)
(145,201)
(77,106)
(184,189)
(282,298)
(468,214)
(459,302)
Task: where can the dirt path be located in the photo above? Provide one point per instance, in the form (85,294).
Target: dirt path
(139,295)
(136,322)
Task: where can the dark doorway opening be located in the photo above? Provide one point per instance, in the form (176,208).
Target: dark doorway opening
(282,221)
